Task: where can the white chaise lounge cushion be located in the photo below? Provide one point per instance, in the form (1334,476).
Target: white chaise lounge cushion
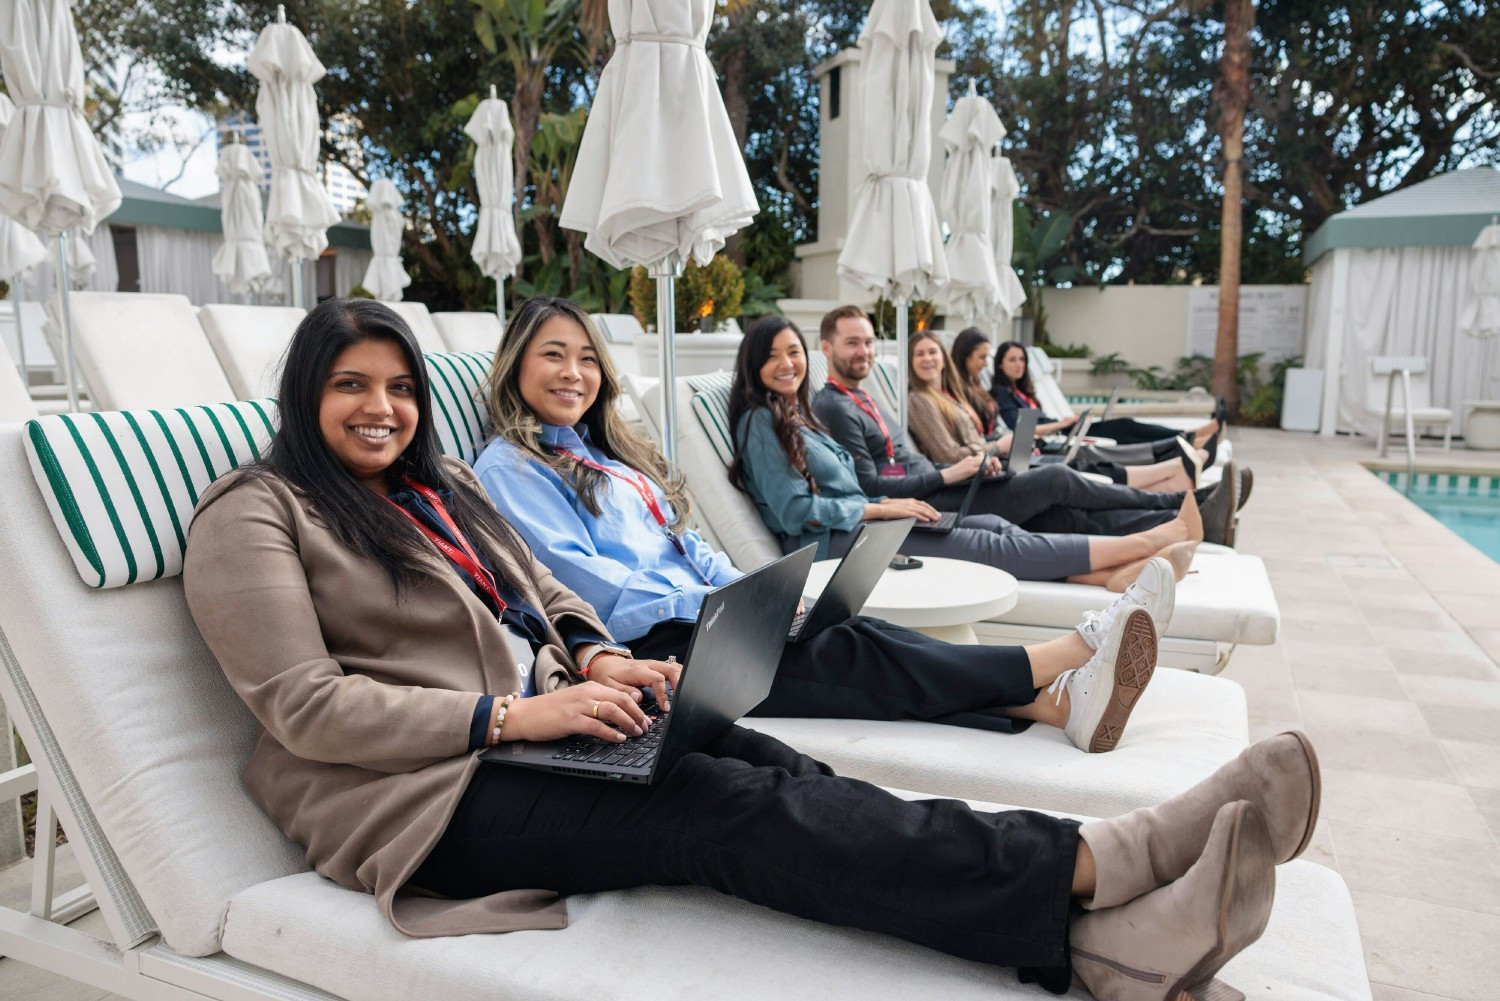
(143,719)
(420,321)
(689,942)
(138,351)
(1184,727)
(469,331)
(121,486)
(15,400)
(249,342)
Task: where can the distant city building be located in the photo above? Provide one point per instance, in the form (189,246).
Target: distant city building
(344,190)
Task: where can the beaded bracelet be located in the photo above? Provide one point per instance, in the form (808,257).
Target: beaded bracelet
(505,701)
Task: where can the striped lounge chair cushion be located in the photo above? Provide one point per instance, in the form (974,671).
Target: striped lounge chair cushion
(711,407)
(461,417)
(121,486)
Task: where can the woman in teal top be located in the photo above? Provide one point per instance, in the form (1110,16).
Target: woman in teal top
(804,485)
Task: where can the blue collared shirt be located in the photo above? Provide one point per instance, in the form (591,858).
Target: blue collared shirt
(620,560)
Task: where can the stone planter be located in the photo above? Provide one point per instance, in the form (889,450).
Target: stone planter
(1482,424)
(697,354)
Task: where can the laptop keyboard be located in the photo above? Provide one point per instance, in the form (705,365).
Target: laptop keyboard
(635,752)
(796,626)
(946,523)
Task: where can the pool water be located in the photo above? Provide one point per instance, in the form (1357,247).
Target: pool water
(1468,505)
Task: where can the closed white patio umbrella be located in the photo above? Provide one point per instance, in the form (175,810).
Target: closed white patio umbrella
(385,277)
(972,130)
(1481,314)
(241,263)
(20,251)
(894,247)
(298,212)
(497,249)
(53,175)
(1004,190)
(660,177)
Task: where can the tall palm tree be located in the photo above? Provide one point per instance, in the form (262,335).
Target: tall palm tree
(1232,93)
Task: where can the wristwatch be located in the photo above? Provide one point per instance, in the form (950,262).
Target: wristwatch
(598,651)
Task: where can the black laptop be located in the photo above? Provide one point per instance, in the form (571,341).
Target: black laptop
(731,661)
(1074,442)
(950,519)
(855,577)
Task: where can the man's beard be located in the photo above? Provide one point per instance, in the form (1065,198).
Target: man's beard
(846,374)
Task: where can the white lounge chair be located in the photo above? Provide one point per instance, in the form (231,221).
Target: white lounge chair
(249,342)
(469,331)
(138,350)
(1227,601)
(15,401)
(139,740)
(1399,398)
(416,316)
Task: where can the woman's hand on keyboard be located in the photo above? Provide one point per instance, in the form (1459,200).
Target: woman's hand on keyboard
(906,507)
(588,708)
(631,676)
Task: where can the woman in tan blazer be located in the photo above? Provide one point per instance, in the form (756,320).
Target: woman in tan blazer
(372,609)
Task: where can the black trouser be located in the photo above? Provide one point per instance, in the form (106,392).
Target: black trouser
(749,816)
(1056,499)
(869,669)
(1129,431)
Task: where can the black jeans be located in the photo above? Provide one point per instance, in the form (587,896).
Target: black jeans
(751,817)
(1055,499)
(869,669)
(1129,431)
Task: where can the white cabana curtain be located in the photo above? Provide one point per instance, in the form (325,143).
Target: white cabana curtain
(1400,301)
(181,261)
(385,277)
(103,277)
(659,171)
(349,267)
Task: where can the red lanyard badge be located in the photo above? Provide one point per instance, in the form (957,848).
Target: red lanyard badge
(871,411)
(464,556)
(648,497)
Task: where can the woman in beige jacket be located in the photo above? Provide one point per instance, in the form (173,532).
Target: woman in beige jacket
(372,610)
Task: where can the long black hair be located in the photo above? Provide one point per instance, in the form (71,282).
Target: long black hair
(747,392)
(965,344)
(360,518)
(1001,382)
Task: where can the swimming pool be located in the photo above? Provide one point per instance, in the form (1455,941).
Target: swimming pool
(1468,505)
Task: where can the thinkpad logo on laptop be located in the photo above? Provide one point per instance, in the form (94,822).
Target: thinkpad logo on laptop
(714,617)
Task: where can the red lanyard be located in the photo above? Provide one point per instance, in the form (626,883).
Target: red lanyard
(643,487)
(465,556)
(873,412)
(1028,400)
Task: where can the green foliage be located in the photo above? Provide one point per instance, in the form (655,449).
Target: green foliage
(760,296)
(1262,406)
(717,290)
(4,288)
(1052,350)
(358,291)
(919,316)
(1039,257)
(1109,364)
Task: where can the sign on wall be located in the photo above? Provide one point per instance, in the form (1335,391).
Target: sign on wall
(1271,320)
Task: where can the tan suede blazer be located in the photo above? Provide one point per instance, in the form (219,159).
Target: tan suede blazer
(365,701)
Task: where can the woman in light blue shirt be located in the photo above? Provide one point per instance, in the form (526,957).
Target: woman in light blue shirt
(805,486)
(605,513)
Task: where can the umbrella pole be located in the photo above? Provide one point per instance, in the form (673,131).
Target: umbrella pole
(70,367)
(665,273)
(296,281)
(500,300)
(15,305)
(901,362)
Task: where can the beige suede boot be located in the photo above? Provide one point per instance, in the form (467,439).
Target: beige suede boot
(1155,845)
(1169,944)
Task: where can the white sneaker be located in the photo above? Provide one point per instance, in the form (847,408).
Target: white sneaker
(1155,590)
(1103,692)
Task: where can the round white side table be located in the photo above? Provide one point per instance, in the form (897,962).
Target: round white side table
(942,598)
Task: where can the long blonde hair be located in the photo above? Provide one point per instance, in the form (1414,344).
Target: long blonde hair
(514,421)
(948,394)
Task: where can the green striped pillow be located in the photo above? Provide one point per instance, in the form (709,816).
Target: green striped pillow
(457,411)
(122,486)
(711,406)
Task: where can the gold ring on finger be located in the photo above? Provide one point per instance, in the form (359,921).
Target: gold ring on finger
(596,710)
